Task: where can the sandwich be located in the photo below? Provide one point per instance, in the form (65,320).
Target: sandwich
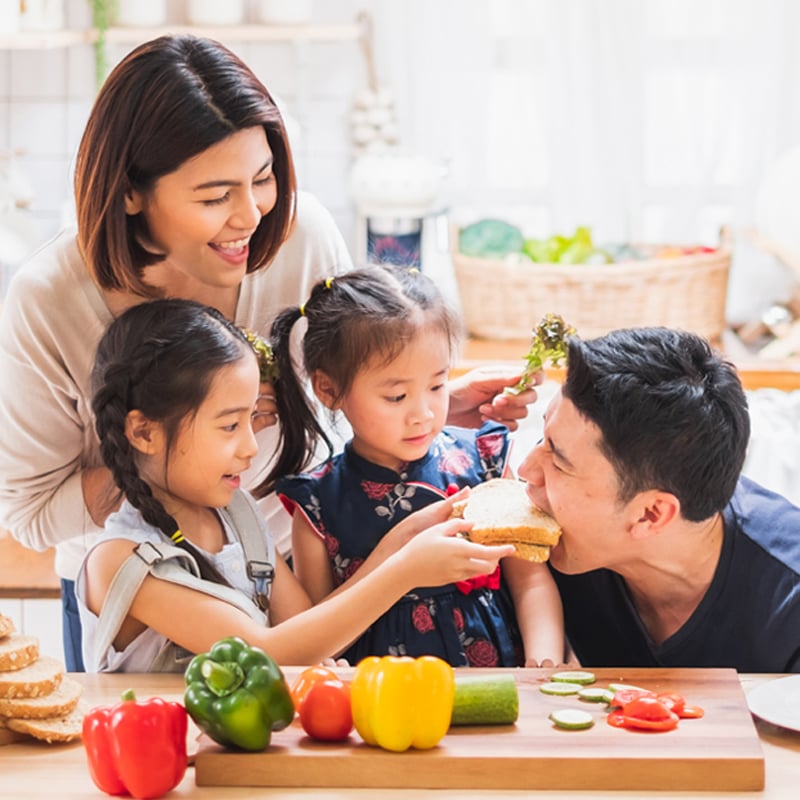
(502,513)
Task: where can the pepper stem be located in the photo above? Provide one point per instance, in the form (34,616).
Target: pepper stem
(222,677)
(128,695)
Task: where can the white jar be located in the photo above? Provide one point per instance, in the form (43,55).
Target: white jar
(42,15)
(215,12)
(284,12)
(141,13)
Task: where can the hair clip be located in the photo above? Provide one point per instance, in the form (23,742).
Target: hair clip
(329,282)
(302,309)
(177,537)
(413,269)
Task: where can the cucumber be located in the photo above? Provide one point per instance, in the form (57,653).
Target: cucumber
(616,687)
(574,676)
(572,719)
(485,700)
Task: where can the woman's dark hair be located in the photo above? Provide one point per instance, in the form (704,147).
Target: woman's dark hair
(353,320)
(159,358)
(167,101)
(672,413)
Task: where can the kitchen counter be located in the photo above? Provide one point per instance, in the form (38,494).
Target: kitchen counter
(38,770)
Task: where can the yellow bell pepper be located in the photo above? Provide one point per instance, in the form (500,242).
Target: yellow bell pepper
(400,702)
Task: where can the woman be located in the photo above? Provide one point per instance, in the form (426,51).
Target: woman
(184,187)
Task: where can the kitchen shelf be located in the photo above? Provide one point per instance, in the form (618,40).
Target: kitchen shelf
(29,40)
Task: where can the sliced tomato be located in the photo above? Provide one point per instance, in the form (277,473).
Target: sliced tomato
(306,679)
(647,708)
(672,700)
(618,719)
(691,712)
(624,696)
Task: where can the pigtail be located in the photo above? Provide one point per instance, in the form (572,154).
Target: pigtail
(300,430)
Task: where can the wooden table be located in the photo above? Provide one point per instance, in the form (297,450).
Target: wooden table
(42,771)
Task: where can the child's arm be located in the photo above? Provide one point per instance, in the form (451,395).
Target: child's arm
(310,560)
(539,613)
(195,620)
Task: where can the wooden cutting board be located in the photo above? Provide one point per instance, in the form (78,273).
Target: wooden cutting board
(720,752)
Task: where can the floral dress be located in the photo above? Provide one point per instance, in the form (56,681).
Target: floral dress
(352,503)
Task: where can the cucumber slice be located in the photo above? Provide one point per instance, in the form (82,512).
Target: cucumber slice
(616,687)
(572,719)
(574,676)
(559,688)
(595,694)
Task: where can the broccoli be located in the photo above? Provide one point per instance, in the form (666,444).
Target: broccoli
(548,343)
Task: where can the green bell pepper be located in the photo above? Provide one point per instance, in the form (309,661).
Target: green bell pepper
(237,694)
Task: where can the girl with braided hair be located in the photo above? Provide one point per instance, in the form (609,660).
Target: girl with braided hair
(377,348)
(175,389)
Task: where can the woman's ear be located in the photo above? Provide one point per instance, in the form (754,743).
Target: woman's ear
(325,389)
(655,512)
(144,435)
(134,204)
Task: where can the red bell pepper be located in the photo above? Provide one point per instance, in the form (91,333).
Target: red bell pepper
(136,748)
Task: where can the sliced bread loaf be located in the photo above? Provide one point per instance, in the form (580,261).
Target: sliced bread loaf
(41,677)
(6,625)
(57,703)
(17,651)
(66,728)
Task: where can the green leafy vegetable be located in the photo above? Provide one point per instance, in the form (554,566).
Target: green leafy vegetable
(490,238)
(548,343)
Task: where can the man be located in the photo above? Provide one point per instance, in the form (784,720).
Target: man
(668,556)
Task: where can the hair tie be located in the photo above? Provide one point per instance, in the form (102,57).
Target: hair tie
(329,282)
(302,309)
(177,537)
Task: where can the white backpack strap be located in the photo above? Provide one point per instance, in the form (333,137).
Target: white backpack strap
(123,588)
(250,527)
(165,562)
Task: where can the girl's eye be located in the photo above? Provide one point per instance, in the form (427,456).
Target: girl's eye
(230,428)
(438,387)
(398,398)
(264,181)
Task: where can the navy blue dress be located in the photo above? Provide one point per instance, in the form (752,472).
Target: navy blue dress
(352,503)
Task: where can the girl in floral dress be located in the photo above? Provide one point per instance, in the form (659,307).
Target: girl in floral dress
(377,348)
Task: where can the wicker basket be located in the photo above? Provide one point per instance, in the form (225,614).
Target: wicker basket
(505,300)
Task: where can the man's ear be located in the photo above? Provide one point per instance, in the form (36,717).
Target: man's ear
(325,389)
(654,512)
(144,435)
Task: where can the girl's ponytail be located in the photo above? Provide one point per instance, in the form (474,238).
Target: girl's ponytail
(299,429)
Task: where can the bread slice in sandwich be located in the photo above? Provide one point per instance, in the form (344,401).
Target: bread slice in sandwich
(502,513)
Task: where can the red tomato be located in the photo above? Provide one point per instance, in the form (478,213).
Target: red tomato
(325,712)
(691,712)
(306,679)
(650,708)
(624,696)
(673,701)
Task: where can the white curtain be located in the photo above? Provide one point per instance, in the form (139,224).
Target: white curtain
(648,120)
